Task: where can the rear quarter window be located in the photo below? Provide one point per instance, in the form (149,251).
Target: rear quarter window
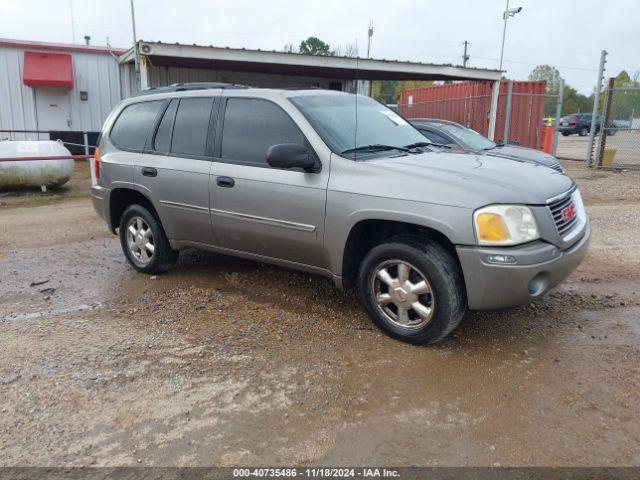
(134,124)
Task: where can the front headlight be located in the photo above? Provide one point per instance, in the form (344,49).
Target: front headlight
(501,225)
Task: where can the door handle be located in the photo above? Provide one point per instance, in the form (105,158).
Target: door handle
(149,172)
(226,182)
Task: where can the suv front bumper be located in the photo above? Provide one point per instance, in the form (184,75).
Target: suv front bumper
(539,267)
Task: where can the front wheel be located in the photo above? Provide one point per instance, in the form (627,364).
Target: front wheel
(144,242)
(413,289)
(583,132)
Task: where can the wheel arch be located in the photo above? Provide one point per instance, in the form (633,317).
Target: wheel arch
(120,198)
(368,232)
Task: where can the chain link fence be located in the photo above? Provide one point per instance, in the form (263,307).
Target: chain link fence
(618,143)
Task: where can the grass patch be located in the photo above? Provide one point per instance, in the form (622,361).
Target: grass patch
(39,199)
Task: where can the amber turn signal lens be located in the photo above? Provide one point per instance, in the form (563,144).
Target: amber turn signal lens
(491,228)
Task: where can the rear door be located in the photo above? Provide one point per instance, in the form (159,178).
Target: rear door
(174,169)
(261,210)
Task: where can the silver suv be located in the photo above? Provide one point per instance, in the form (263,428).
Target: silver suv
(338,185)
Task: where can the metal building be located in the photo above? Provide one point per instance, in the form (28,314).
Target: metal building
(70,89)
(65,89)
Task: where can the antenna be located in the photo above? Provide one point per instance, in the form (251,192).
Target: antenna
(370,34)
(465,55)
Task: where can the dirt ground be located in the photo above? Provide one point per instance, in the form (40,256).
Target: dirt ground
(227,362)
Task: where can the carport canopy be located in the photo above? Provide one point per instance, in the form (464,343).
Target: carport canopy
(272,62)
(287,63)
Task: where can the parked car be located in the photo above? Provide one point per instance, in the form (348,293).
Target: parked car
(450,133)
(580,123)
(303,180)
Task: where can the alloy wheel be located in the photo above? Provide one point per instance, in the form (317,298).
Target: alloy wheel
(402,294)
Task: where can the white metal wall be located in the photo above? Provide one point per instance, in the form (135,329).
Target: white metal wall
(97,74)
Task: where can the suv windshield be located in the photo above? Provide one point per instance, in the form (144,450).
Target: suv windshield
(469,138)
(365,126)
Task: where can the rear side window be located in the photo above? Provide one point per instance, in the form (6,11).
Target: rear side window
(191,126)
(253,125)
(134,124)
(162,141)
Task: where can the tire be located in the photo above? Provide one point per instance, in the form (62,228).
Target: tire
(157,258)
(426,260)
(565,134)
(583,132)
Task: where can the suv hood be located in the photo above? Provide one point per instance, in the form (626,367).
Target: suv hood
(463,180)
(513,151)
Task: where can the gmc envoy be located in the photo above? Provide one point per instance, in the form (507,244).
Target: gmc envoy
(335,184)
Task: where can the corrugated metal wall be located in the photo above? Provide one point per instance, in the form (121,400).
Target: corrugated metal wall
(469,103)
(163,76)
(97,74)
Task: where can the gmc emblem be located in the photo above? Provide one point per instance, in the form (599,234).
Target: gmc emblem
(568,212)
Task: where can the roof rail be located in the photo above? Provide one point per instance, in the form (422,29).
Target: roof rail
(183,87)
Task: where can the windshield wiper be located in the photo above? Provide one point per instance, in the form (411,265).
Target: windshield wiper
(426,144)
(376,147)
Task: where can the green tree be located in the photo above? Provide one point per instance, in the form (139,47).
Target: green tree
(624,80)
(574,102)
(314,46)
(550,75)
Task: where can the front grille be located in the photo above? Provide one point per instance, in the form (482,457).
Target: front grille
(556,208)
(556,167)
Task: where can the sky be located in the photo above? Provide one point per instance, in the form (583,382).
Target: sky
(567,34)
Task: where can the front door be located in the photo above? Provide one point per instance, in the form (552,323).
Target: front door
(175,169)
(256,209)
(53,108)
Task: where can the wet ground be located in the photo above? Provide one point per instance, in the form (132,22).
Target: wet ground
(225,362)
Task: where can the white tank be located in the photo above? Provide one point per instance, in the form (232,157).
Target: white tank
(34,173)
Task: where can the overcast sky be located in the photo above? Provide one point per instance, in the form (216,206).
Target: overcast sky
(567,34)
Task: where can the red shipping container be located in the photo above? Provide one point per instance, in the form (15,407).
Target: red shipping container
(469,103)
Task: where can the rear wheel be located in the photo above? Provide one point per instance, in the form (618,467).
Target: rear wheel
(565,134)
(412,289)
(144,242)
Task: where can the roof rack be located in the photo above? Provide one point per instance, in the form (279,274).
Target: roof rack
(183,87)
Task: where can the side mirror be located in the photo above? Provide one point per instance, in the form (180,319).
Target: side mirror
(291,155)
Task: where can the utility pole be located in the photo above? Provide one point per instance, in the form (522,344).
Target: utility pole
(73,27)
(370,34)
(596,103)
(136,55)
(465,55)
(508,12)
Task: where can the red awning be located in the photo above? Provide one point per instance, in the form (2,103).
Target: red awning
(47,70)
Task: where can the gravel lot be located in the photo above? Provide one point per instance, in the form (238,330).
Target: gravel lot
(225,362)
(626,143)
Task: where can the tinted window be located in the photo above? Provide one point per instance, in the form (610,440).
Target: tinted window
(251,126)
(191,126)
(134,125)
(162,141)
(434,137)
